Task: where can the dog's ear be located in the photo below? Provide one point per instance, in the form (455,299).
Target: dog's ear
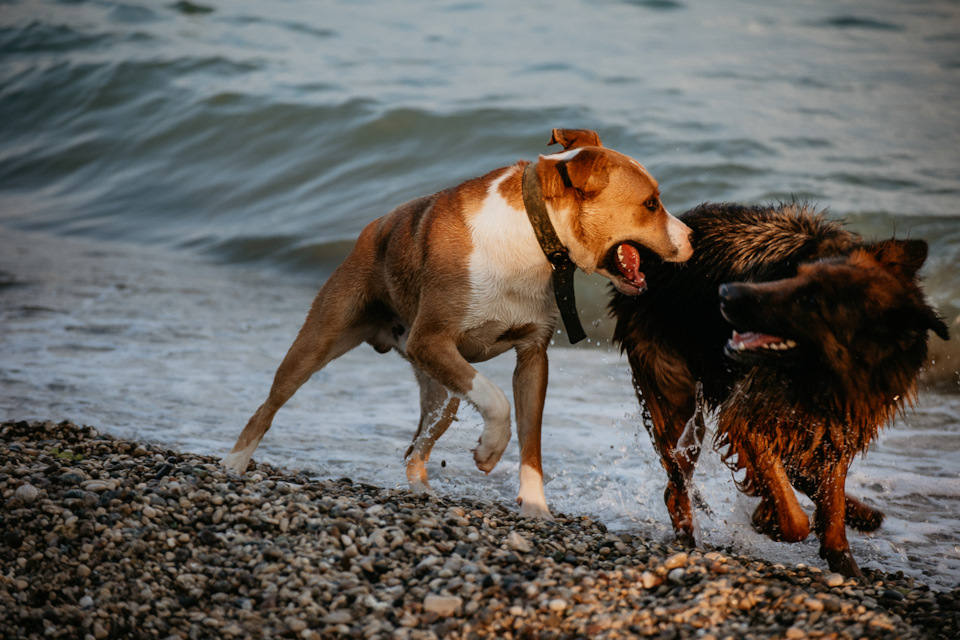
(575,138)
(936,324)
(584,170)
(905,256)
(921,318)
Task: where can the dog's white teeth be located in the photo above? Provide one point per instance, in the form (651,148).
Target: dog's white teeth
(780,346)
(623,262)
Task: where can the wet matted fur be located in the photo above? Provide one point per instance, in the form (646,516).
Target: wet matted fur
(830,334)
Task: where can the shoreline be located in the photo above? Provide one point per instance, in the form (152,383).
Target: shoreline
(105,537)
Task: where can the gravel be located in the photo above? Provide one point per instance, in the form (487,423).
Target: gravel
(107,538)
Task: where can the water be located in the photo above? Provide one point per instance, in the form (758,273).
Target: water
(176,179)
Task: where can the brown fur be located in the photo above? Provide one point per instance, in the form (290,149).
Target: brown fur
(794,417)
(458,277)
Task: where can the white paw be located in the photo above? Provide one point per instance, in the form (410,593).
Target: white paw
(487,456)
(421,486)
(238,461)
(531,509)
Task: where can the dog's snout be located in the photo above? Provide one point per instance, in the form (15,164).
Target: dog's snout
(680,237)
(732,297)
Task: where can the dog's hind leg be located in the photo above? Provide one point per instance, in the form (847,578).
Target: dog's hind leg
(438,408)
(529,393)
(858,515)
(668,392)
(334,325)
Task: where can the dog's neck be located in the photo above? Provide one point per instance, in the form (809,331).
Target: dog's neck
(558,256)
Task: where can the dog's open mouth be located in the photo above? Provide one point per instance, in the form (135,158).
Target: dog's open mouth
(754,341)
(627,260)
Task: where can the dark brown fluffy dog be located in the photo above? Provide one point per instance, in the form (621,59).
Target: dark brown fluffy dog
(828,336)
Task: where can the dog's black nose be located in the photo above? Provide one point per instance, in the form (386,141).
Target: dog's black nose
(726,291)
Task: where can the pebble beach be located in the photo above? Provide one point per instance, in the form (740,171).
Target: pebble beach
(109,538)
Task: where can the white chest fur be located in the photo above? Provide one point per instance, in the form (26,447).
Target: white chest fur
(509,275)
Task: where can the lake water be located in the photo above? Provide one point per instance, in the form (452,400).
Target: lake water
(177,179)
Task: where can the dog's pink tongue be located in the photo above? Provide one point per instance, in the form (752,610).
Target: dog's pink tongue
(628,261)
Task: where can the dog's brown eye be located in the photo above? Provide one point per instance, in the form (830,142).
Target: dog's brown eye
(653,204)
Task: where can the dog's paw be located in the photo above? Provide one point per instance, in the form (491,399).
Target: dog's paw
(533,510)
(841,561)
(421,486)
(236,462)
(487,455)
(686,537)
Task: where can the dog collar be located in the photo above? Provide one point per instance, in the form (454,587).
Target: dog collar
(557,254)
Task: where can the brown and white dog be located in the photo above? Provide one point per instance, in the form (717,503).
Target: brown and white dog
(459,277)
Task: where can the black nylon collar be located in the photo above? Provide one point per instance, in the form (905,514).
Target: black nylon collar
(557,255)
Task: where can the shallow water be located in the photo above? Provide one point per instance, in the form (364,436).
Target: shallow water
(149,345)
(177,179)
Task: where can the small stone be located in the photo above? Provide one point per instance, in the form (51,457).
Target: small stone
(295,624)
(676,576)
(442,605)
(795,633)
(557,605)
(649,580)
(338,617)
(834,580)
(99,632)
(676,560)
(83,571)
(27,493)
(13,539)
(85,602)
(71,478)
(891,594)
(518,543)
(98,486)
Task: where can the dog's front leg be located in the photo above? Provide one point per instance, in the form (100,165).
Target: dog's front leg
(830,520)
(437,355)
(529,393)
(779,514)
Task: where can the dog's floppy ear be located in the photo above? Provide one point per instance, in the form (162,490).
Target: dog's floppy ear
(583,169)
(575,138)
(905,256)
